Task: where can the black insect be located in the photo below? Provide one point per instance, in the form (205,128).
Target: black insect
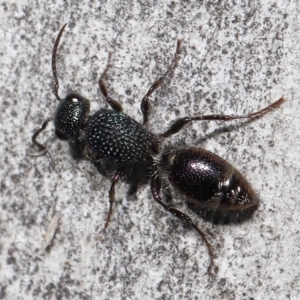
(210,186)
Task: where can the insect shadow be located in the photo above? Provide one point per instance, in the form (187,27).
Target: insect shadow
(114,142)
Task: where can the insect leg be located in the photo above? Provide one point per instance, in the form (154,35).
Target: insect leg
(115,105)
(156,193)
(115,179)
(145,104)
(180,123)
(44,150)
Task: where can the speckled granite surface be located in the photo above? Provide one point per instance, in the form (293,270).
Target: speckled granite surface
(237,58)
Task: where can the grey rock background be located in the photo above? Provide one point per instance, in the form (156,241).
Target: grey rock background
(238,58)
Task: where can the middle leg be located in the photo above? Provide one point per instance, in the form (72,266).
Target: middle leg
(145,104)
(119,174)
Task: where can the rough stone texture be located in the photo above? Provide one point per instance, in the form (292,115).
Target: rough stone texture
(238,57)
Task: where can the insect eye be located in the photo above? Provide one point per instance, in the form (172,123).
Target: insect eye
(74,98)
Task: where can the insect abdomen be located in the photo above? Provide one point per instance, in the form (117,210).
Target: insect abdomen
(212,187)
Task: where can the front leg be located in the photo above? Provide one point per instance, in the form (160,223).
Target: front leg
(115,105)
(43,149)
(156,193)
